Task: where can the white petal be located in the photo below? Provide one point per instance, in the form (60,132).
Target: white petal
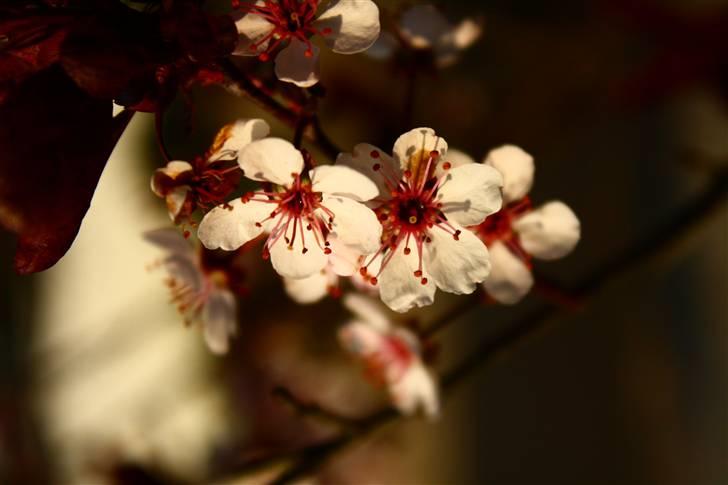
(384,47)
(219,320)
(415,145)
(470,193)
(291,261)
(399,288)
(362,161)
(510,279)
(450,45)
(354,25)
(184,270)
(293,66)
(252,29)
(172,170)
(517,168)
(368,310)
(423,26)
(233,137)
(549,232)
(456,266)
(311,289)
(360,339)
(344,181)
(415,390)
(271,160)
(343,260)
(455,158)
(354,224)
(230,226)
(175,201)
(171,240)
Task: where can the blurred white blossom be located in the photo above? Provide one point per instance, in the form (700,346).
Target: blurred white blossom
(391,355)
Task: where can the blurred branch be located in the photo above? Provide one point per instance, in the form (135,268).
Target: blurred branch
(658,248)
(306,124)
(314,411)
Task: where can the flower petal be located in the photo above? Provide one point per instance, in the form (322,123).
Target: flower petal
(469,193)
(368,311)
(415,146)
(399,288)
(233,137)
(360,339)
(354,25)
(422,26)
(252,30)
(291,261)
(510,279)
(231,225)
(415,390)
(343,181)
(448,49)
(364,158)
(517,168)
(294,66)
(162,177)
(354,224)
(456,266)
(219,320)
(271,160)
(175,201)
(343,260)
(549,232)
(309,290)
(170,240)
(456,158)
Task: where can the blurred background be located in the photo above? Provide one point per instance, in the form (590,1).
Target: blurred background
(624,106)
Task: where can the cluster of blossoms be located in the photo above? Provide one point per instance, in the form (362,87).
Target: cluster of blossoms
(394,225)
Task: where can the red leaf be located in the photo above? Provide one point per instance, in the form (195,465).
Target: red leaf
(54,142)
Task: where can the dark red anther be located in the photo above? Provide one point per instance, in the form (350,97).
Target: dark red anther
(374,154)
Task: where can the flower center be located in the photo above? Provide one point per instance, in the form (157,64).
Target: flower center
(411,211)
(499,227)
(298,211)
(291,19)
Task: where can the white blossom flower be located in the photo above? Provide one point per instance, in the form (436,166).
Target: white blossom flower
(207,181)
(343,261)
(347,27)
(424,204)
(520,232)
(391,355)
(202,294)
(299,210)
(424,28)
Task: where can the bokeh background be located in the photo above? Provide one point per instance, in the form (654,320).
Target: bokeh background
(624,106)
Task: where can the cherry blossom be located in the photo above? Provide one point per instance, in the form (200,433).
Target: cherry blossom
(208,180)
(298,209)
(201,292)
(423,28)
(391,355)
(424,204)
(520,232)
(347,27)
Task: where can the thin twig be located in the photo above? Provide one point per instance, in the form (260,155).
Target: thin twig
(240,84)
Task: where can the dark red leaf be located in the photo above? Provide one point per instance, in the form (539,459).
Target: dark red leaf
(54,142)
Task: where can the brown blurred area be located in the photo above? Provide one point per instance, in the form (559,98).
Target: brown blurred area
(624,106)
